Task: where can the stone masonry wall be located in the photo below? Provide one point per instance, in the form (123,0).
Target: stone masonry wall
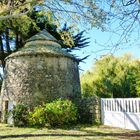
(40,78)
(89,110)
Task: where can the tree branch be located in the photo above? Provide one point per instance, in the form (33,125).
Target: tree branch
(12,16)
(130,2)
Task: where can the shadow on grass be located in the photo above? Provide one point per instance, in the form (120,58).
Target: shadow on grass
(89,134)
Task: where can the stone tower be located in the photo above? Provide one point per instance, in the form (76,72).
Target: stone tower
(40,72)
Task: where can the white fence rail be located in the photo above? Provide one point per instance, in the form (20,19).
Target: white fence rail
(121,112)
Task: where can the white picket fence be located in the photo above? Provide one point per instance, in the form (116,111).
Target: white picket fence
(121,112)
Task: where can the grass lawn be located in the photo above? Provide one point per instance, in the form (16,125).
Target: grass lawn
(78,132)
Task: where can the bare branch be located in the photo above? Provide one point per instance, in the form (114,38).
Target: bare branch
(130,2)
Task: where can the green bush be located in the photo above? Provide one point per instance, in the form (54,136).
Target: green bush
(56,113)
(61,112)
(20,115)
(37,118)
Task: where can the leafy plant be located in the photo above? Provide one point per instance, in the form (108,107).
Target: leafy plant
(37,117)
(20,115)
(61,112)
(57,113)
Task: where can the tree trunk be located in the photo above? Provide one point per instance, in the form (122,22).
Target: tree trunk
(2,54)
(7,41)
(17,41)
(21,41)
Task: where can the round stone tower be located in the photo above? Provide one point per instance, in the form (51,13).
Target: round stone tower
(40,72)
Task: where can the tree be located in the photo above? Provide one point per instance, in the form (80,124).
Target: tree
(70,41)
(16,8)
(138,82)
(72,10)
(112,77)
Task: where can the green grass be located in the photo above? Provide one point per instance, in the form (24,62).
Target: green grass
(78,132)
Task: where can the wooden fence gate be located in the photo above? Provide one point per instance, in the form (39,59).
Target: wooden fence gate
(121,112)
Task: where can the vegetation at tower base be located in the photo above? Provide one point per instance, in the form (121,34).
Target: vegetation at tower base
(37,117)
(57,114)
(111,76)
(61,112)
(20,115)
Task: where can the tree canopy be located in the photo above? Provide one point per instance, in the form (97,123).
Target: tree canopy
(120,17)
(112,77)
(84,11)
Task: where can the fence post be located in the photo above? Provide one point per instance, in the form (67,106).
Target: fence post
(102,110)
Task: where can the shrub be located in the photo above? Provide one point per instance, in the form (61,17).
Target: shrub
(61,112)
(37,117)
(20,115)
(56,113)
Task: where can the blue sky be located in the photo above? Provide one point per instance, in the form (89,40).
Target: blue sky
(99,45)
